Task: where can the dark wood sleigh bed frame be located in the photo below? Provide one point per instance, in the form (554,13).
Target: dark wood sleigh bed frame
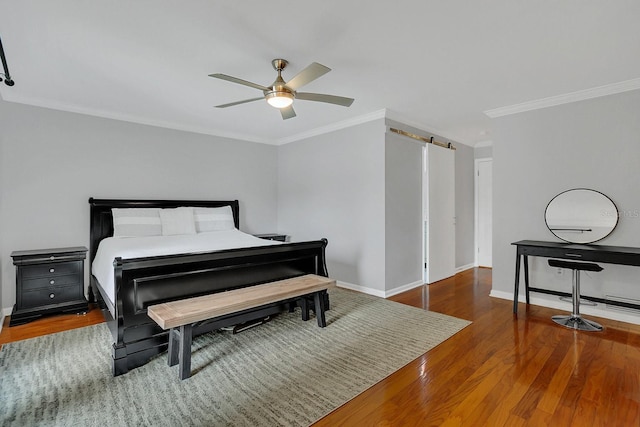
(142,282)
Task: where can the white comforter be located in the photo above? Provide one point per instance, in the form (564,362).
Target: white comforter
(138,247)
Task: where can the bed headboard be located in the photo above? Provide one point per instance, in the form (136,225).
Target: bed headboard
(101,219)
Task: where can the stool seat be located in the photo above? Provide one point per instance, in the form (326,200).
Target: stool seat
(583,266)
(575,321)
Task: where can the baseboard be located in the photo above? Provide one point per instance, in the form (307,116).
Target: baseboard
(3,315)
(403,288)
(379,293)
(464,268)
(363,289)
(598,310)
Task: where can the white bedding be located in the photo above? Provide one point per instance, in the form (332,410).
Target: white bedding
(137,247)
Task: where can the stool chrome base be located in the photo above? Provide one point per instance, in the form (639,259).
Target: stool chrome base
(577,322)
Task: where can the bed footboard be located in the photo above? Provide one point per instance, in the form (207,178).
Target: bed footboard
(143,282)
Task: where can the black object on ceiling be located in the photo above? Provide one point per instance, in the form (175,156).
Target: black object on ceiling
(7,77)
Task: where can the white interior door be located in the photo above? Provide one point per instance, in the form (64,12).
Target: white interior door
(439,208)
(484,197)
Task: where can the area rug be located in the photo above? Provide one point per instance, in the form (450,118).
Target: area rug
(284,373)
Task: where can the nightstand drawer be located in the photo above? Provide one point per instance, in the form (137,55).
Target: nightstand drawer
(44,296)
(54,268)
(50,282)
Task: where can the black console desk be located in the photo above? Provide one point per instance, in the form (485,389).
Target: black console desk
(595,253)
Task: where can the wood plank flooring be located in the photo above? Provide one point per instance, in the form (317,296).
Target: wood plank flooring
(500,370)
(504,370)
(49,325)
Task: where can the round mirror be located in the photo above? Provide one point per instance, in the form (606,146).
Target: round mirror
(581,216)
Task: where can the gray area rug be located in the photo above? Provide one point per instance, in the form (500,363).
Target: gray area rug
(284,373)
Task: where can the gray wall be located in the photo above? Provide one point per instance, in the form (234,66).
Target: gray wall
(332,186)
(361,187)
(2,257)
(483,152)
(537,154)
(465,193)
(465,208)
(353,186)
(403,212)
(51,162)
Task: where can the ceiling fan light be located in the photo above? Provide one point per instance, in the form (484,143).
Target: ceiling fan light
(280,99)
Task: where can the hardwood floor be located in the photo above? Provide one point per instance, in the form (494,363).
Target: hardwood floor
(505,370)
(500,370)
(48,325)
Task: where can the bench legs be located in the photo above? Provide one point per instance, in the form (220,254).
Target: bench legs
(319,307)
(180,349)
(318,301)
(180,338)
(304,306)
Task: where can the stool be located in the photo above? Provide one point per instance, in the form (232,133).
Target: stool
(575,321)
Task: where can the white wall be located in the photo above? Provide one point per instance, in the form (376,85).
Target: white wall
(403,213)
(332,186)
(51,162)
(537,154)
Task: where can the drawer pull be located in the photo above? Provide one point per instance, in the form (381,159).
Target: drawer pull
(574,255)
(52,282)
(52,270)
(52,295)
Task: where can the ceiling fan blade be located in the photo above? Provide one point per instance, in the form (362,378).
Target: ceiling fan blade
(239,81)
(287,112)
(321,97)
(307,75)
(231,104)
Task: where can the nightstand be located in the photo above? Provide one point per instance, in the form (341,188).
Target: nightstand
(48,281)
(273,236)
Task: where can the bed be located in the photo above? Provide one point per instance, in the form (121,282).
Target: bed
(154,277)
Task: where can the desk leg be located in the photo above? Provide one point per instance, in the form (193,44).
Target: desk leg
(516,284)
(526,277)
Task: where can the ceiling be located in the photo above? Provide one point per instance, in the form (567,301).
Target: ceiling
(436,65)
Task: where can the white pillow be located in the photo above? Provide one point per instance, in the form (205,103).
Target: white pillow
(177,221)
(136,222)
(214,219)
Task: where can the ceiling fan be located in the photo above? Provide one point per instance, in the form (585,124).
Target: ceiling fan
(281,94)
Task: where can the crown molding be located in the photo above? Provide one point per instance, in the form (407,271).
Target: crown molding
(132,119)
(36,102)
(581,95)
(365,118)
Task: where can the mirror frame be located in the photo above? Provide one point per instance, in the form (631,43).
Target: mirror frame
(617,215)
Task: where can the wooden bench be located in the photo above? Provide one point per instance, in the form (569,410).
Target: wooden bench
(179,316)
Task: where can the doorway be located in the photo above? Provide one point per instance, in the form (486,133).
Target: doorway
(484,211)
